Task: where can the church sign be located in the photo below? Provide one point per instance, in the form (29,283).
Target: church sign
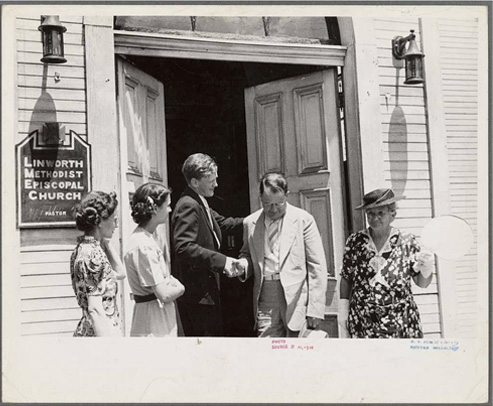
(53,173)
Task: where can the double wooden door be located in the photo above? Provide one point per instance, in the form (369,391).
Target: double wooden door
(292,127)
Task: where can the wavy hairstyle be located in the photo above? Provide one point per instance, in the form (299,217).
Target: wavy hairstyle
(146,199)
(274,181)
(198,166)
(94,207)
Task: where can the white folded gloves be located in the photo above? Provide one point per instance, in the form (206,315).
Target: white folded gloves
(343,317)
(424,263)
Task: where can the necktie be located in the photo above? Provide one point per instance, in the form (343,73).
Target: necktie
(273,236)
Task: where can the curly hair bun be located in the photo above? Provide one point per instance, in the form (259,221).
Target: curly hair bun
(147,198)
(93,208)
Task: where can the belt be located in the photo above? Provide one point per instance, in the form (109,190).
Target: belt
(272,277)
(146,298)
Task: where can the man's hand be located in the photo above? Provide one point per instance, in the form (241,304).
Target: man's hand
(241,266)
(230,267)
(312,322)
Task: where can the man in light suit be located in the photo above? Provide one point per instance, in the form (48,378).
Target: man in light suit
(196,239)
(283,250)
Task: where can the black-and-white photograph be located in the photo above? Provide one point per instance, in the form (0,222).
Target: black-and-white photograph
(245,203)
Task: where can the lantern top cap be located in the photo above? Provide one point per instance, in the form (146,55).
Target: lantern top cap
(51,22)
(413,50)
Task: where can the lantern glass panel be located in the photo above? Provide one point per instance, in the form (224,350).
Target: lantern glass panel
(414,70)
(57,43)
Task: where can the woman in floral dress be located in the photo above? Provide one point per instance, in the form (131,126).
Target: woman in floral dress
(95,266)
(379,265)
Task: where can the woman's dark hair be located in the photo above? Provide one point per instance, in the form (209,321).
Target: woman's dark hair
(94,207)
(145,200)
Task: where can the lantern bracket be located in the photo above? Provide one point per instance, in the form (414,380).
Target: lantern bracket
(399,45)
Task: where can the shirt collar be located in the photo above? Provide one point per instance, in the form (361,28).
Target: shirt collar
(268,221)
(389,244)
(204,201)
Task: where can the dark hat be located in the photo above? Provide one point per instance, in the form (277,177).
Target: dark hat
(378,198)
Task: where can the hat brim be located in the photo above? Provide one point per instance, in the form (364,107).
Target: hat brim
(385,202)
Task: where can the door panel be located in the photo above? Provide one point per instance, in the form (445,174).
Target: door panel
(310,129)
(268,111)
(142,148)
(293,127)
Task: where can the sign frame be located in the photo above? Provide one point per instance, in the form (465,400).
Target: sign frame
(34,136)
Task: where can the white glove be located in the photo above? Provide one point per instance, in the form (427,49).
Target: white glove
(424,263)
(343,317)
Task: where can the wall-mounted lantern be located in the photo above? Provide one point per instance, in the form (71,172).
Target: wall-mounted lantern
(52,36)
(413,57)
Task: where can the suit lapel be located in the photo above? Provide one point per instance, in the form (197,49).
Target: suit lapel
(288,234)
(189,191)
(259,238)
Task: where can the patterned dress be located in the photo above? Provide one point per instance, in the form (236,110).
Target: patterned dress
(90,270)
(382,303)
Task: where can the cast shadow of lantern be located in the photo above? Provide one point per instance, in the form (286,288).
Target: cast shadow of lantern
(50,132)
(398,142)
(398,153)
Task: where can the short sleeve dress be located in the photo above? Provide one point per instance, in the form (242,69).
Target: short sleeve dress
(382,304)
(146,267)
(90,271)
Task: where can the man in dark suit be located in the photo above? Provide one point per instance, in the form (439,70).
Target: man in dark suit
(196,238)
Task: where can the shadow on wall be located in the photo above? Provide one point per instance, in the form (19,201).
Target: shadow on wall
(397,141)
(398,154)
(44,112)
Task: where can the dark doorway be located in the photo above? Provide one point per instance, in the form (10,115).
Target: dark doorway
(205,112)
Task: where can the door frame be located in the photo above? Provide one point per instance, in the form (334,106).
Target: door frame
(172,46)
(225,50)
(228,50)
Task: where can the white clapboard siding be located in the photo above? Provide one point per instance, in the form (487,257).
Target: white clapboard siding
(74,26)
(26,127)
(35,57)
(56,94)
(50,83)
(48,304)
(69,37)
(50,70)
(459,79)
(33,47)
(405,152)
(47,300)
(41,97)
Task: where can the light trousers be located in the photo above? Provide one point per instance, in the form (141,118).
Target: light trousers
(271,314)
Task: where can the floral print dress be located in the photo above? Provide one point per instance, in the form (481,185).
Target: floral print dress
(382,303)
(90,271)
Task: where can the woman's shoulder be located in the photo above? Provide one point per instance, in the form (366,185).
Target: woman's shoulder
(358,237)
(86,246)
(89,255)
(139,240)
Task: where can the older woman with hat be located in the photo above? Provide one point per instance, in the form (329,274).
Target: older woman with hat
(379,265)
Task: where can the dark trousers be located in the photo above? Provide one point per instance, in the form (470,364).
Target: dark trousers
(201,320)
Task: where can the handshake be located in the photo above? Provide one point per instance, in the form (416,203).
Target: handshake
(235,267)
